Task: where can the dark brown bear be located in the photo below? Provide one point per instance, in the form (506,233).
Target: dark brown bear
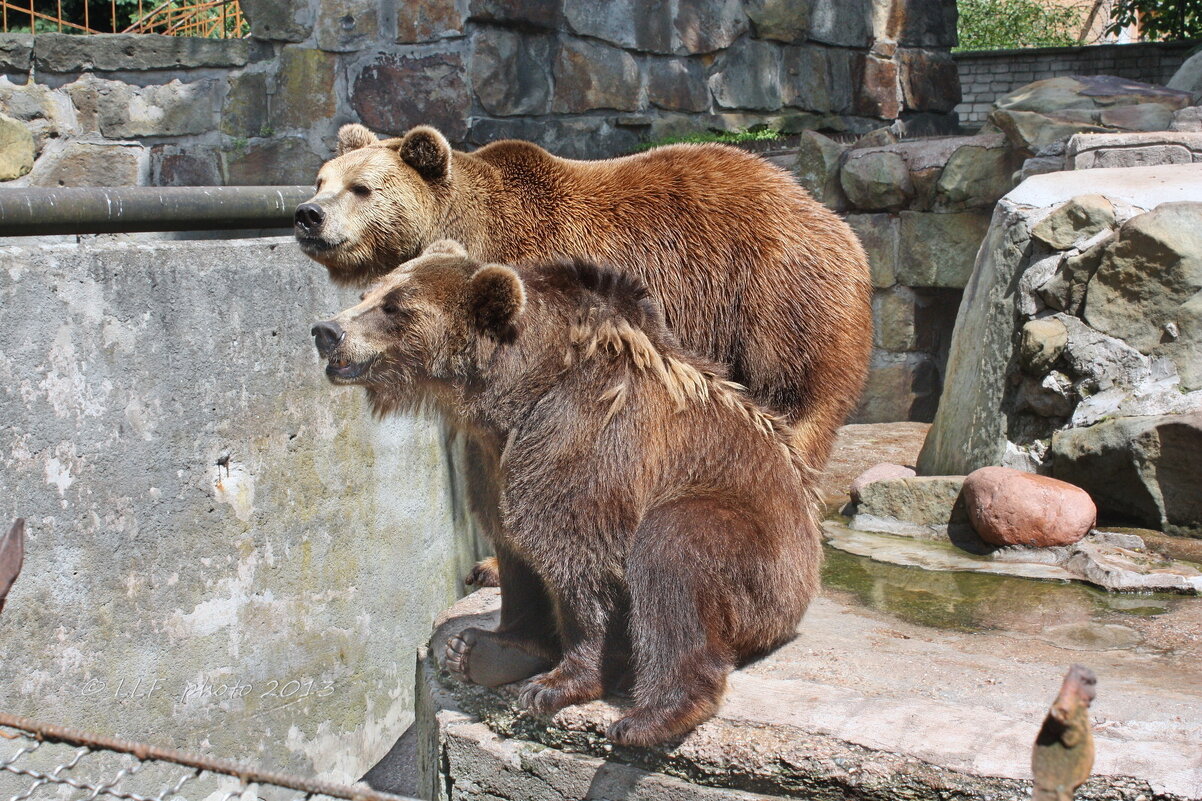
(664,515)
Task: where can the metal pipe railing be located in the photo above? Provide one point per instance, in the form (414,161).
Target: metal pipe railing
(127,209)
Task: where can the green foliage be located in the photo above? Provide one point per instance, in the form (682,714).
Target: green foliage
(1010,24)
(1159,19)
(727,137)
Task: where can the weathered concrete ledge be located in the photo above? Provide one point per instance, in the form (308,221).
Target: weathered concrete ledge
(860,705)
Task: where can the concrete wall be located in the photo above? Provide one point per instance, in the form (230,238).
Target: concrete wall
(582,77)
(225,553)
(987,75)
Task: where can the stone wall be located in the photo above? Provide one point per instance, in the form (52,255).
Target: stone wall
(987,75)
(921,209)
(582,77)
(225,553)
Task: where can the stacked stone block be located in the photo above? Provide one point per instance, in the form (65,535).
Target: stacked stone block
(584,78)
(921,209)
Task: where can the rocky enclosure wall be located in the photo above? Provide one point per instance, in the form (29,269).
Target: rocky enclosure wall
(987,75)
(581,77)
(225,554)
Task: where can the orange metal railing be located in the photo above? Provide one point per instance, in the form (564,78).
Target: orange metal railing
(210,19)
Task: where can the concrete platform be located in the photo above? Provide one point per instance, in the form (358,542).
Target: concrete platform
(863,704)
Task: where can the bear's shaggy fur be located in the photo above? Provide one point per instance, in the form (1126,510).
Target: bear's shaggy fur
(750,271)
(663,513)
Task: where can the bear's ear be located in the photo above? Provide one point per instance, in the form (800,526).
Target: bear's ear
(496,299)
(427,151)
(445,247)
(354,136)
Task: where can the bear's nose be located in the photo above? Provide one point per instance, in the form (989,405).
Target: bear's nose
(326,336)
(309,217)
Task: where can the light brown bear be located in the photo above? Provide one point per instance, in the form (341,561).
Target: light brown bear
(665,513)
(749,270)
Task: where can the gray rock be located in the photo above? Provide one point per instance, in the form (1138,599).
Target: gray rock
(901,386)
(1029,130)
(244,111)
(171,109)
(395,92)
(1050,396)
(304,88)
(879,234)
(922,506)
(939,250)
(84,164)
(1187,120)
(60,52)
(707,26)
(1188,77)
(510,72)
(893,319)
(347,25)
(1152,268)
(782,20)
(1035,276)
(1080,219)
(677,85)
(524,13)
(929,80)
(16,148)
(970,430)
(817,168)
(271,20)
(633,24)
(1102,360)
(1065,291)
(876,181)
(271,162)
(977,177)
(16,52)
(1146,469)
(590,75)
(847,23)
(172,165)
(747,76)
(805,80)
(1089,92)
(1042,344)
(1140,117)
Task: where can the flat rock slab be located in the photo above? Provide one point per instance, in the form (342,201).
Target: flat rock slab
(861,704)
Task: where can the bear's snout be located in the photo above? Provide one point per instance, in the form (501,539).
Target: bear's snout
(326,336)
(309,217)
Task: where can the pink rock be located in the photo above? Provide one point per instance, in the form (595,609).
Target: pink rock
(1010,507)
(876,473)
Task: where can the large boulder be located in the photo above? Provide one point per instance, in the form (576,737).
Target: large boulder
(1008,507)
(1188,77)
(1066,322)
(1045,112)
(1146,470)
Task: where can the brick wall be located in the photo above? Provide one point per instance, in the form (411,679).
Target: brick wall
(584,78)
(987,75)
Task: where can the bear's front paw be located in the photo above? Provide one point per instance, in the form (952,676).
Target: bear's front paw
(486,573)
(548,693)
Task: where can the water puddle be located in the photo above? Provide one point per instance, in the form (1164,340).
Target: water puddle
(1064,613)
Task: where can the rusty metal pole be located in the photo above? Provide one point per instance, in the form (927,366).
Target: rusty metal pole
(40,212)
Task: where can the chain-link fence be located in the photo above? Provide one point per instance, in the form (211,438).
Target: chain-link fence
(43,761)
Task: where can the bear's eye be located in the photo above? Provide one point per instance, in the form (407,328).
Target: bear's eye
(391,309)
(361,190)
